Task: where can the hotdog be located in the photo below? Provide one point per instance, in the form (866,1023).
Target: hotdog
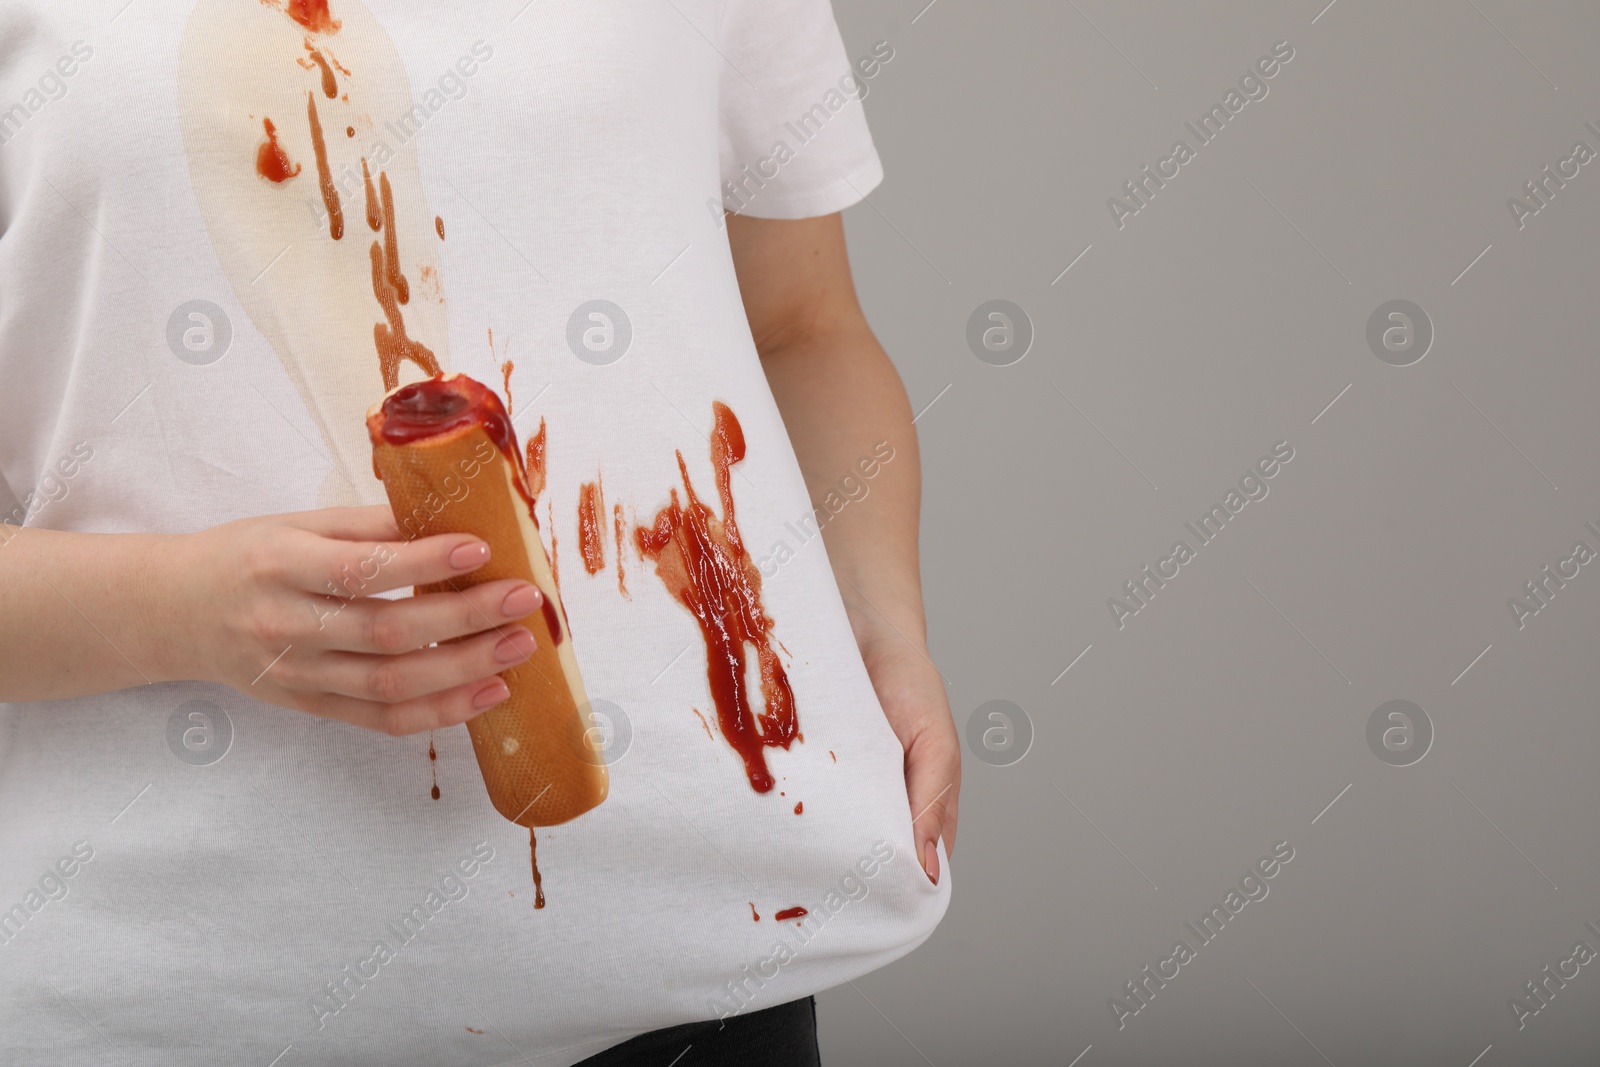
(447,455)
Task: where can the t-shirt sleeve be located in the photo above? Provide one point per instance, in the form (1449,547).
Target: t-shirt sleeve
(794,137)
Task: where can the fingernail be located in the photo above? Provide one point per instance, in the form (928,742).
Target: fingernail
(470,555)
(521,601)
(490,695)
(515,647)
(930,861)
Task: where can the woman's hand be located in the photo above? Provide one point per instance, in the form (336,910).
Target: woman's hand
(911,691)
(284,609)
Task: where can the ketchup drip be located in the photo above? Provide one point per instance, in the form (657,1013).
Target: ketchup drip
(330,85)
(800,807)
(755,916)
(374,215)
(555,567)
(272,162)
(619,538)
(704,564)
(533,859)
(591,530)
(313,15)
(330,194)
(433,759)
(790,913)
(392,343)
(536,477)
(391,243)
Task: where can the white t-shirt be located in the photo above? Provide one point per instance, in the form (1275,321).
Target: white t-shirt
(190,876)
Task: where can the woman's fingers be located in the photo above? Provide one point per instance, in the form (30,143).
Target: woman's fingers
(933,784)
(371,624)
(433,712)
(407,677)
(372,523)
(362,568)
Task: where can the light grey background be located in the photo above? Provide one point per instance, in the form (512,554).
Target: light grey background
(1225,717)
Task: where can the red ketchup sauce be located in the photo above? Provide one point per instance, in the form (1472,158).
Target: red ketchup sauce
(591,526)
(313,15)
(703,563)
(272,162)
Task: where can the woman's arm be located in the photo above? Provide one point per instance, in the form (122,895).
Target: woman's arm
(841,398)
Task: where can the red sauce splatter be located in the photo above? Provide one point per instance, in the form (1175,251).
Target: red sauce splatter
(790,913)
(703,722)
(620,539)
(374,213)
(433,759)
(349,131)
(470,1030)
(591,528)
(330,194)
(391,243)
(536,478)
(438,224)
(832,756)
(703,563)
(800,807)
(390,339)
(555,566)
(755,916)
(313,15)
(505,373)
(272,162)
(330,85)
(533,858)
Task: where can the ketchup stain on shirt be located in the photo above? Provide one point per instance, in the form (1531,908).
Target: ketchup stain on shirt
(330,194)
(755,916)
(703,722)
(620,539)
(390,339)
(533,859)
(374,213)
(591,527)
(505,373)
(330,84)
(550,510)
(272,162)
(799,807)
(704,565)
(438,224)
(349,131)
(790,913)
(433,760)
(313,15)
(536,479)
(391,242)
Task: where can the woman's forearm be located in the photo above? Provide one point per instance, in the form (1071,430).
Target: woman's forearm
(77,613)
(847,414)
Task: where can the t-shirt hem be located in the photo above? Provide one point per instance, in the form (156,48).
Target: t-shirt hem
(837,195)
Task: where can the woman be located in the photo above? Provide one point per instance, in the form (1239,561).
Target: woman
(240,821)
